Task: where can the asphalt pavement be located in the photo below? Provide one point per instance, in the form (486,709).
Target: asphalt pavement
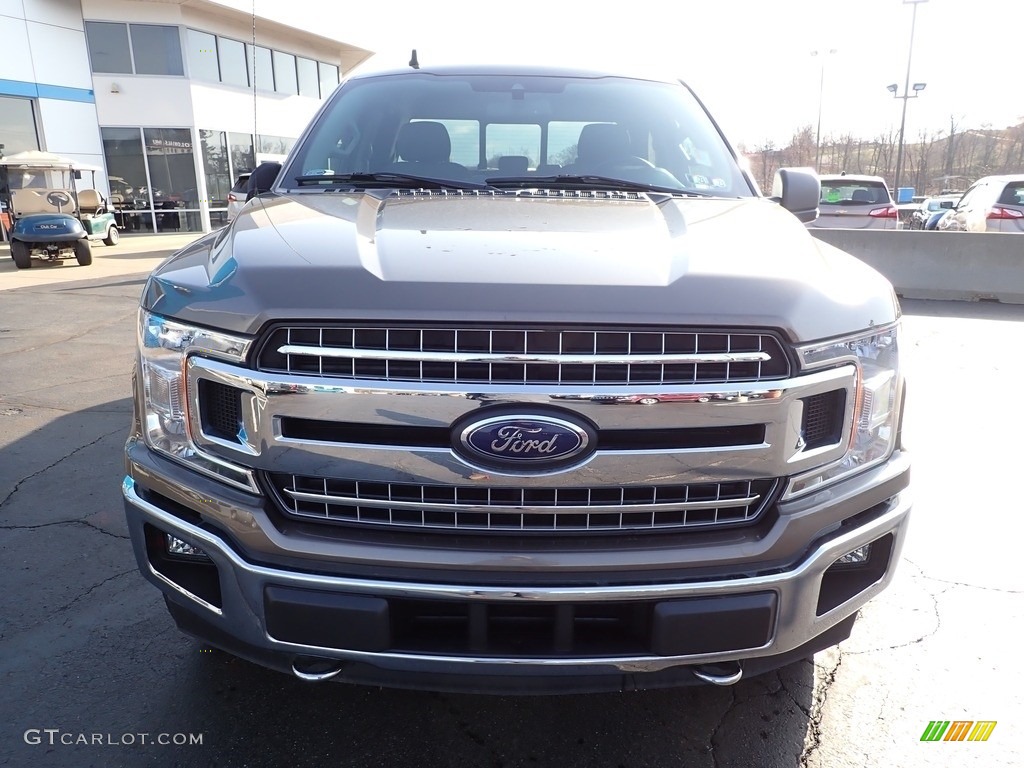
(95,673)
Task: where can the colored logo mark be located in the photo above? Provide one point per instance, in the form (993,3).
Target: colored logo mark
(958,730)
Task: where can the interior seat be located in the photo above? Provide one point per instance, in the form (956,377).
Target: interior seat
(90,203)
(602,144)
(513,165)
(424,148)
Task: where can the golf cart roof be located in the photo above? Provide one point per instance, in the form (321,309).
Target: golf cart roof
(34,158)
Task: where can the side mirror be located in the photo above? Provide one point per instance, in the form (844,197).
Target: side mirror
(77,174)
(798,190)
(262,179)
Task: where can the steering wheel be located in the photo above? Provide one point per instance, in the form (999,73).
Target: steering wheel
(629,161)
(58,198)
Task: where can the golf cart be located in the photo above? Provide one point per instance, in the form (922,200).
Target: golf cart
(50,219)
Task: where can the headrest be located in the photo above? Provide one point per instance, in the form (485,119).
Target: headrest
(514,165)
(602,141)
(424,141)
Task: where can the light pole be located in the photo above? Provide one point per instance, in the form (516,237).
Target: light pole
(918,87)
(821,95)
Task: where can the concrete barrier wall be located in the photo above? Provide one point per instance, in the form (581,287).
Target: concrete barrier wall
(966,266)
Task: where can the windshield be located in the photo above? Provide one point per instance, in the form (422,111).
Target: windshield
(509,131)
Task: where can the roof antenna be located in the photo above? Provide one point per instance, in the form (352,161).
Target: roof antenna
(414,62)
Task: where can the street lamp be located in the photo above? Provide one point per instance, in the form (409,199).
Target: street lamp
(918,87)
(821,94)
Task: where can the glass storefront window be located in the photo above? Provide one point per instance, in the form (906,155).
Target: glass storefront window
(165,199)
(279,146)
(328,79)
(157,50)
(233,67)
(242,156)
(309,79)
(171,168)
(215,166)
(263,77)
(202,56)
(284,73)
(17,126)
(108,47)
(126,166)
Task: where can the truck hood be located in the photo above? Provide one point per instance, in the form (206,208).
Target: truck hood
(551,258)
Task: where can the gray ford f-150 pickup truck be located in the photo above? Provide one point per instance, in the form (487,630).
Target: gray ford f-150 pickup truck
(514,381)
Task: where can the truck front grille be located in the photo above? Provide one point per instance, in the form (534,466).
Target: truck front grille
(517,509)
(523,355)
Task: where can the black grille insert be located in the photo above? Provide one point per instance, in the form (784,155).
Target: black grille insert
(220,409)
(823,419)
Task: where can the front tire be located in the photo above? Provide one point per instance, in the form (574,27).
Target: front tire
(113,236)
(21,254)
(648,401)
(83,252)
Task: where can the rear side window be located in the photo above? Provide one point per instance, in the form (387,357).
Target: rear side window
(1013,194)
(241,184)
(853,193)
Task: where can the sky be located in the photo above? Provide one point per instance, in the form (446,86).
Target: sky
(750,61)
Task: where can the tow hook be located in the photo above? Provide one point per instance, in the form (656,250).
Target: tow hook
(314,670)
(725,673)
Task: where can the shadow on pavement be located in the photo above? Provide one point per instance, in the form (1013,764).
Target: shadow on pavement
(89,648)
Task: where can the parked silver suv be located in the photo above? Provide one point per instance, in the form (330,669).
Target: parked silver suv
(386,428)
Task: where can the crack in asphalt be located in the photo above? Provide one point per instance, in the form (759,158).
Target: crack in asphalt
(817,712)
(17,485)
(117,375)
(58,409)
(733,702)
(91,329)
(94,587)
(78,521)
(924,575)
(934,599)
(792,697)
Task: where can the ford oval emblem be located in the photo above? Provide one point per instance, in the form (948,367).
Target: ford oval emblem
(523,443)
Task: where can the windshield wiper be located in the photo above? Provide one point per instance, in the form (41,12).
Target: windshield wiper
(386,179)
(588,181)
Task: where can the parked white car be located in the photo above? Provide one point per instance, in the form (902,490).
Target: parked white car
(236,197)
(991,204)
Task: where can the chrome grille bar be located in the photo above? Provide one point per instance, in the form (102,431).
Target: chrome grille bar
(559,510)
(566,359)
(521,507)
(520,355)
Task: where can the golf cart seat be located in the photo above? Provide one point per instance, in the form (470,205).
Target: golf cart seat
(90,203)
(28,201)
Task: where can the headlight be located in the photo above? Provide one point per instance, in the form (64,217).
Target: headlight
(877,405)
(164,347)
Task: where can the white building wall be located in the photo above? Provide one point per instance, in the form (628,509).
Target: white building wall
(44,49)
(59,54)
(44,57)
(17,55)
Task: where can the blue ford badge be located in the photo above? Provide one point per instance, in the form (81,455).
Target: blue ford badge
(523,443)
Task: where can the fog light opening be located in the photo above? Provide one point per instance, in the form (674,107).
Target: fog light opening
(181,548)
(859,556)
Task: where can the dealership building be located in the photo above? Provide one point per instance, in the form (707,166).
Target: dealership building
(172,99)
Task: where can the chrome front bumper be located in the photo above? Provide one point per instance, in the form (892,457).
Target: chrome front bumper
(241,614)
